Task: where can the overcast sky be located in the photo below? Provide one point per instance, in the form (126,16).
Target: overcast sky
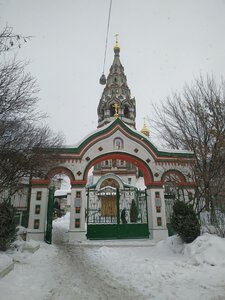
(164,43)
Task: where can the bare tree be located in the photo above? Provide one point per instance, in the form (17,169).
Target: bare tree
(195,120)
(9,40)
(24,140)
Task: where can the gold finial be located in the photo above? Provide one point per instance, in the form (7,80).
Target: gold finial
(116,47)
(116,106)
(116,36)
(145,129)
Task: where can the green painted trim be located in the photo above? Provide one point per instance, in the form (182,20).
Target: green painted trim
(117,231)
(158,153)
(48,233)
(118,205)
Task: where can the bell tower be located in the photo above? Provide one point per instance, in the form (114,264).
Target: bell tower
(116,101)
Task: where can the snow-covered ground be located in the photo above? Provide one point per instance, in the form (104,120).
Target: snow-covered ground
(117,270)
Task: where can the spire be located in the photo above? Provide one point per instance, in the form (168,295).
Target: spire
(116,91)
(145,129)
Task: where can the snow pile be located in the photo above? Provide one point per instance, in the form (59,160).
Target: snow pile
(169,269)
(206,249)
(61,229)
(21,230)
(5,261)
(173,243)
(32,274)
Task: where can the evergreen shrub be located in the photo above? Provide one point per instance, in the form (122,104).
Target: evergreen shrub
(7,225)
(185,222)
(133,212)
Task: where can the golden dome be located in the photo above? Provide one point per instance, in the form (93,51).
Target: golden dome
(145,129)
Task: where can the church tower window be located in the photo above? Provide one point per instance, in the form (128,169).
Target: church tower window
(126,111)
(112,110)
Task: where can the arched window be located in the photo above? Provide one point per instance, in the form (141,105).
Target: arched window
(109,182)
(126,111)
(118,143)
(102,113)
(112,110)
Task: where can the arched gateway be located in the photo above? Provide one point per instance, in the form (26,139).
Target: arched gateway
(136,148)
(117,152)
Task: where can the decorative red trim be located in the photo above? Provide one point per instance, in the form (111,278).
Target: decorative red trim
(139,140)
(124,156)
(62,170)
(40,182)
(79,182)
(155,184)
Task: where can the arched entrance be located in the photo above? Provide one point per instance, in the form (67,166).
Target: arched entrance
(115,141)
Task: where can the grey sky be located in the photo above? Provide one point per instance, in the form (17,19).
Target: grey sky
(163,45)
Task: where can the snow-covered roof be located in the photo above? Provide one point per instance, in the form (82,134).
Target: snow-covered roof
(62,192)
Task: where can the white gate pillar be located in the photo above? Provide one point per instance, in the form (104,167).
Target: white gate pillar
(78,228)
(156,213)
(38,211)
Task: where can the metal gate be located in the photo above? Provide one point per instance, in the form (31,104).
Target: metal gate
(116,213)
(48,232)
(169,203)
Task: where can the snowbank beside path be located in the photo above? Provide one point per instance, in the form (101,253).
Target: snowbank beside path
(6,265)
(166,271)
(206,249)
(5,261)
(32,276)
(170,270)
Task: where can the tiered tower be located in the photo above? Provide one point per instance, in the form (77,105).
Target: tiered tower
(116,98)
(116,102)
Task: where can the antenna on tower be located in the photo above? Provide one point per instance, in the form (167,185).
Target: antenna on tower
(102,79)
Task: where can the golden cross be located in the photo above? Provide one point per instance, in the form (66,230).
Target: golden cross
(116,106)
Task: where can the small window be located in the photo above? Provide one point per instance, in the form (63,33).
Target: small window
(36,224)
(38,195)
(77,223)
(158,209)
(126,112)
(159,221)
(129,180)
(122,162)
(106,162)
(114,163)
(78,194)
(77,209)
(37,209)
(157,195)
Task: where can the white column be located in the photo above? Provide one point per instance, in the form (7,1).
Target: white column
(156,219)
(38,213)
(78,228)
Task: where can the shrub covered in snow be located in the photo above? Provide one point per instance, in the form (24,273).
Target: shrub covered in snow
(7,225)
(185,222)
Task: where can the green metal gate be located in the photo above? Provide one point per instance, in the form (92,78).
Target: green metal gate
(109,213)
(169,203)
(48,232)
